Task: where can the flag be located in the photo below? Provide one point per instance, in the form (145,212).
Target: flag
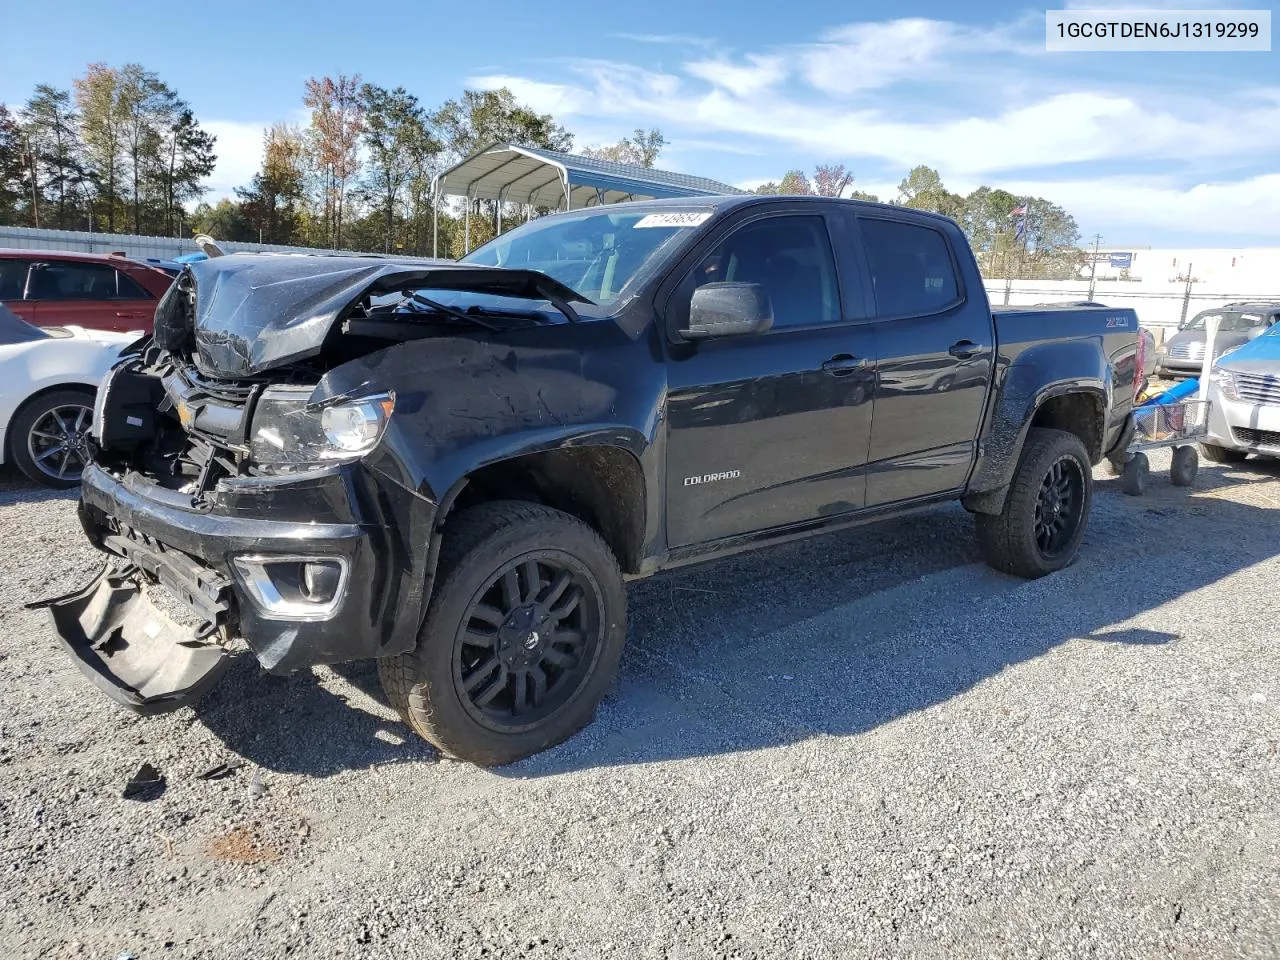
(1018,211)
(1021,229)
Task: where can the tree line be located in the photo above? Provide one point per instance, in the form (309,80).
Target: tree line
(120,150)
(1027,237)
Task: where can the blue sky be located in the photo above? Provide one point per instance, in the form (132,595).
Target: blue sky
(1146,149)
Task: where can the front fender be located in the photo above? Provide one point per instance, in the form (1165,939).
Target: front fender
(1038,374)
(463,404)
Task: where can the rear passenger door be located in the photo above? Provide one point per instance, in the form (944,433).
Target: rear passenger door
(935,342)
(771,429)
(84,294)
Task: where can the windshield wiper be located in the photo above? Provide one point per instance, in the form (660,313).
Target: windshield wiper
(454,312)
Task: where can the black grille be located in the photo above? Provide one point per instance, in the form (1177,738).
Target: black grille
(1256,438)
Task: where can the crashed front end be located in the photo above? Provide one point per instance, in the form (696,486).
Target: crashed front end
(261,495)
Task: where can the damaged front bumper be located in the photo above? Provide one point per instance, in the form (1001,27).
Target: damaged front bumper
(129,648)
(315,568)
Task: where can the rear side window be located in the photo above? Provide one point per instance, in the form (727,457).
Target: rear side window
(127,289)
(790,257)
(911,268)
(13,278)
(74,281)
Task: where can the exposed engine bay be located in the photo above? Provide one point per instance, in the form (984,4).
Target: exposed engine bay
(227,385)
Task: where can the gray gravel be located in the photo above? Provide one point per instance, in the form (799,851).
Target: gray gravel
(864,745)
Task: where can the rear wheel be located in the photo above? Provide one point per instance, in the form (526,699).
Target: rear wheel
(50,437)
(522,638)
(1185,466)
(1136,472)
(1047,509)
(1216,454)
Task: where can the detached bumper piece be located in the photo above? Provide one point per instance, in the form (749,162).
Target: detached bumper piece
(129,648)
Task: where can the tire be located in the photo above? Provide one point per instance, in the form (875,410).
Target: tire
(439,685)
(1136,472)
(1012,540)
(1185,466)
(33,436)
(1216,454)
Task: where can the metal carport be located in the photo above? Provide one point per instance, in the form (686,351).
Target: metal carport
(506,173)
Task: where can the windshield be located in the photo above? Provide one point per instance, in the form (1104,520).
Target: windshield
(1228,322)
(597,254)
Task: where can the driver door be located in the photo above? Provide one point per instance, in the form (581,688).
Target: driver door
(770,430)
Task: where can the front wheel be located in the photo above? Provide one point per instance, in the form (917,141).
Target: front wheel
(1046,511)
(50,436)
(522,638)
(1216,454)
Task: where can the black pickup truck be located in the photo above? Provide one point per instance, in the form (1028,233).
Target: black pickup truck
(454,467)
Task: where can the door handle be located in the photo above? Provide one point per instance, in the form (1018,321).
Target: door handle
(964,350)
(843,364)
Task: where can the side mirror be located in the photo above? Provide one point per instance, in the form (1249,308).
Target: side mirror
(728,310)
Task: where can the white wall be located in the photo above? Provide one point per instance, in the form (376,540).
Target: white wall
(137,247)
(1159,305)
(1234,266)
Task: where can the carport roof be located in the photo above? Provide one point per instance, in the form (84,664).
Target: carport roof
(543,178)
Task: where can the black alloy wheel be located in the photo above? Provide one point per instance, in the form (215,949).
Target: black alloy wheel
(1045,512)
(50,434)
(1059,507)
(522,637)
(528,641)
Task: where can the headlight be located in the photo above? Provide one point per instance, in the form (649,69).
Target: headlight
(1226,381)
(290,432)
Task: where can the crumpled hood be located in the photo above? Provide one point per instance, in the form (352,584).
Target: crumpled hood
(246,313)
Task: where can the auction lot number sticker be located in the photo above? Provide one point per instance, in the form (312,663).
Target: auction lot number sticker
(1146,31)
(688,219)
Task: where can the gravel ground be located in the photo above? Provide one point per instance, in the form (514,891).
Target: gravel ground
(864,745)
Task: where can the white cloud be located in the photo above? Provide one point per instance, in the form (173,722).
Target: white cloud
(980,105)
(665,39)
(1249,206)
(866,56)
(239,152)
(554,98)
(1051,129)
(759,74)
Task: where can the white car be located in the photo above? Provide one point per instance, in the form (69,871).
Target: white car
(1244,395)
(48,380)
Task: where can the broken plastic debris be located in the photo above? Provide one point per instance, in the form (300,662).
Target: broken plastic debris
(256,787)
(147,784)
(220,770)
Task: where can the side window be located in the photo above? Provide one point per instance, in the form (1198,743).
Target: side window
(789,256)
(127,289)
(74,281)
(911,268)
(13,278)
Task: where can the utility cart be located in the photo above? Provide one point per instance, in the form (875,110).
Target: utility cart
(1179,424)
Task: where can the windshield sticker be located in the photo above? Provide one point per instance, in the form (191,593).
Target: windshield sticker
(673,220)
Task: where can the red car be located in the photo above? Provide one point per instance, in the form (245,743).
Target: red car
(52,288)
